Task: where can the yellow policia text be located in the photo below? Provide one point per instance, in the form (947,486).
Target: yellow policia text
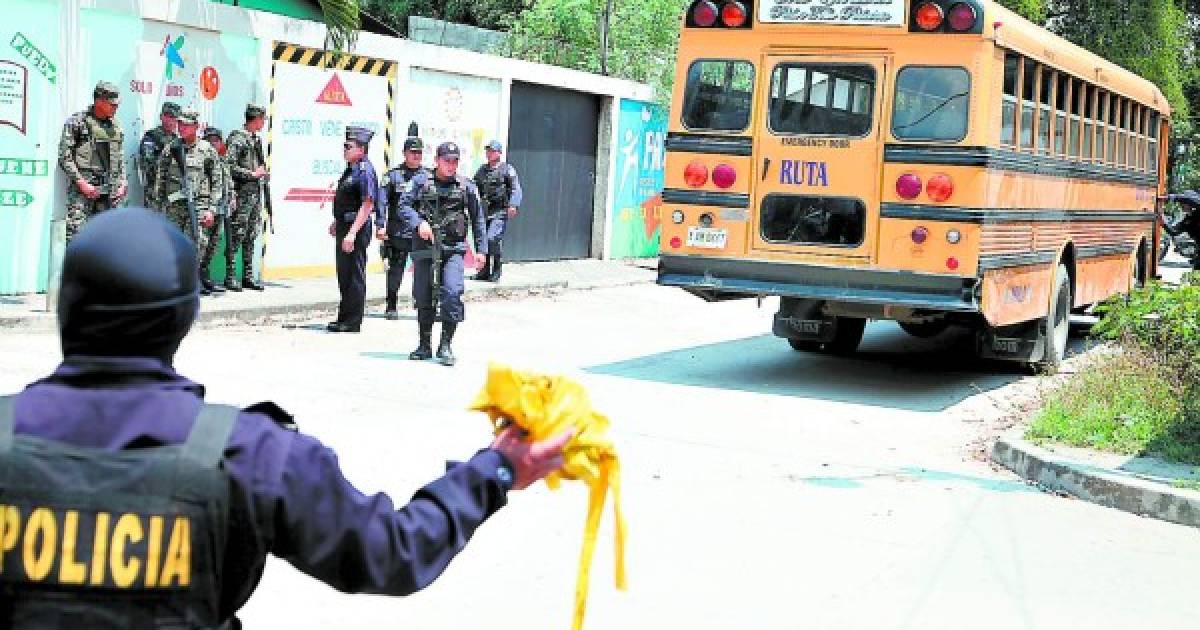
(126,550)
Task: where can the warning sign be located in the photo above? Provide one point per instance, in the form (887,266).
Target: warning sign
(334,93)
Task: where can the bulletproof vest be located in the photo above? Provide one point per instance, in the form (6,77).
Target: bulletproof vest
(127,539)
(445,207)
(494,187)
(195,161)
(348,197)
(100,138)
(395,189)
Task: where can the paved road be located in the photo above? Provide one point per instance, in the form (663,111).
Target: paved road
(764,489)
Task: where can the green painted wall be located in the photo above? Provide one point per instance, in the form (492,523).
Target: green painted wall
(302,9)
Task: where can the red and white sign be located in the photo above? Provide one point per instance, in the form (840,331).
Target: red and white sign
(334,93)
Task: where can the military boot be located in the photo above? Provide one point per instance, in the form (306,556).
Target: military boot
(425,330)
(207,283)
(249,283)
(444,354)
(495,275)
(232,285)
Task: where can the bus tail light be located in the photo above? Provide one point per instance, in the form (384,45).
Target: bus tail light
(704,13)
(961,17)
(939,188)
(676,242)
(919,234)
(908,186)
(733,14)
(929,17)
(724,176)
(952,263)
(696,174)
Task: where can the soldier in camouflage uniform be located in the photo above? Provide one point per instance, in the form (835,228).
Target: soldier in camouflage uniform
(205,178)
(221,209)
(89,152)
(246,165)
(153,143)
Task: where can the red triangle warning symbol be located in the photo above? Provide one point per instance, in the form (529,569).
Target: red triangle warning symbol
(334,93)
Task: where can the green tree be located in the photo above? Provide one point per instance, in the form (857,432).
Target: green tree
(490,14)
(1032,10)
(341,20)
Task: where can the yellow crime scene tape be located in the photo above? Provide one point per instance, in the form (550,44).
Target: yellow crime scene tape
(545,406)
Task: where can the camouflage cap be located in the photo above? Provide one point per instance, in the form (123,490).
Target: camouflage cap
(361,135)
(254,110)
(413,144)
(213,131)
(448,150)
(106,90)
(189,117)
(171,109)
(494,145)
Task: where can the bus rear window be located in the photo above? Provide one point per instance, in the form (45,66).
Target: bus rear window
(717,96)
(931,104)
(822,99)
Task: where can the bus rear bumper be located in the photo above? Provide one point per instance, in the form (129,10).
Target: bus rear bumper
(722,278)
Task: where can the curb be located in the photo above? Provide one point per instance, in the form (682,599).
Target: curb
(252,314)
(1122,491)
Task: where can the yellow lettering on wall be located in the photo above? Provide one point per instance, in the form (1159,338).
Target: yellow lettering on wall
(71,571)
(154,551)
(10,527)
(100,548)
(123,568)
(41,532)
(178,566)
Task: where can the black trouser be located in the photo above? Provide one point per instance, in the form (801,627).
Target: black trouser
(352,274)
(397,260)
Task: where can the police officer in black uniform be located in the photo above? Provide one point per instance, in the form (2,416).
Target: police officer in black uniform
(126,501)
(447,195)
(356,198)
(397,237)
(500,189)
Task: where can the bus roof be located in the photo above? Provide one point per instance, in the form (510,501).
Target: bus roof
(1012,31)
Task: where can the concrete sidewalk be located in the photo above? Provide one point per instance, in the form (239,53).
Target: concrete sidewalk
(286,300)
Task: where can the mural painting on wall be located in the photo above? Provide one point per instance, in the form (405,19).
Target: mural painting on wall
(637,200)
(29,84)
(315,98)
(454,108)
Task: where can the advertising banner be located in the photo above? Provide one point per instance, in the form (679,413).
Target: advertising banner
(638,180)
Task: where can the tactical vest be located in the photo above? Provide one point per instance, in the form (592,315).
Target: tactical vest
(100,140)
(395,188)
(495,188)
(445,207)
(97,539)
(195,161)
(151,149)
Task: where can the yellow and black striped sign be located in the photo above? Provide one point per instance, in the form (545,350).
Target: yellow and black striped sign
(329,60)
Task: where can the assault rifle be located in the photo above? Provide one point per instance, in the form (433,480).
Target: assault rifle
(181,159)
(264,189)
(439,220)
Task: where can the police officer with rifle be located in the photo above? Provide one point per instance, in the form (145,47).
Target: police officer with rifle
(442,205)
(397,236)
(189,180)
(127,501)
(90,154)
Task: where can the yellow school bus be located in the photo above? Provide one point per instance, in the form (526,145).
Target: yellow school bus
(931,162)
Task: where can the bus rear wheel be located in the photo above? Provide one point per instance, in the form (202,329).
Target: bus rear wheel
(1056,328)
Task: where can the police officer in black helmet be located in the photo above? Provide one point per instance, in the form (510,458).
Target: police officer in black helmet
(126,501)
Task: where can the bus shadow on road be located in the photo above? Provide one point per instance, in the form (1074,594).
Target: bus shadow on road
(891,369)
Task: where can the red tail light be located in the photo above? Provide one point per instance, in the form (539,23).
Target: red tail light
(939,188)
(696,174)
(919,234)
(929,17)
(952,263)
(724,176)
(704,13)
(733,14)
(962,17)
(676,242)
(908,186)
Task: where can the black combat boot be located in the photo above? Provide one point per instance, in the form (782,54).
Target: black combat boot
(495,275)
(206,280)
(444,354)
(425,330)
(486,272)
(232,285)
(249,283)
(390,310)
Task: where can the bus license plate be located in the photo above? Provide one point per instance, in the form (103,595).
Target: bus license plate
(711,238)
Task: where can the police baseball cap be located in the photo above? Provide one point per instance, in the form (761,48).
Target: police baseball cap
(213,131)
(361,135)
(254,110)
(448,150)
(189,117)
(171,109)
(494,145)
(413,144)
(107,91)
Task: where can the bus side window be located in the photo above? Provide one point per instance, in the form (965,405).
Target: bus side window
(1152,150)
(1076,107)
(1062,99)
(1008,103)
(717,95)
(1029,82)
(1045,95)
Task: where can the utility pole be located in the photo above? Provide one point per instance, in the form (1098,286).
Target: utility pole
(608,7)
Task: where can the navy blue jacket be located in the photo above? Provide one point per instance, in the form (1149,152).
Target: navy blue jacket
(478,222)
(289,495)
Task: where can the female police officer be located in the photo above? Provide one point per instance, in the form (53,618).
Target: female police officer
(107,522)
(356,198)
